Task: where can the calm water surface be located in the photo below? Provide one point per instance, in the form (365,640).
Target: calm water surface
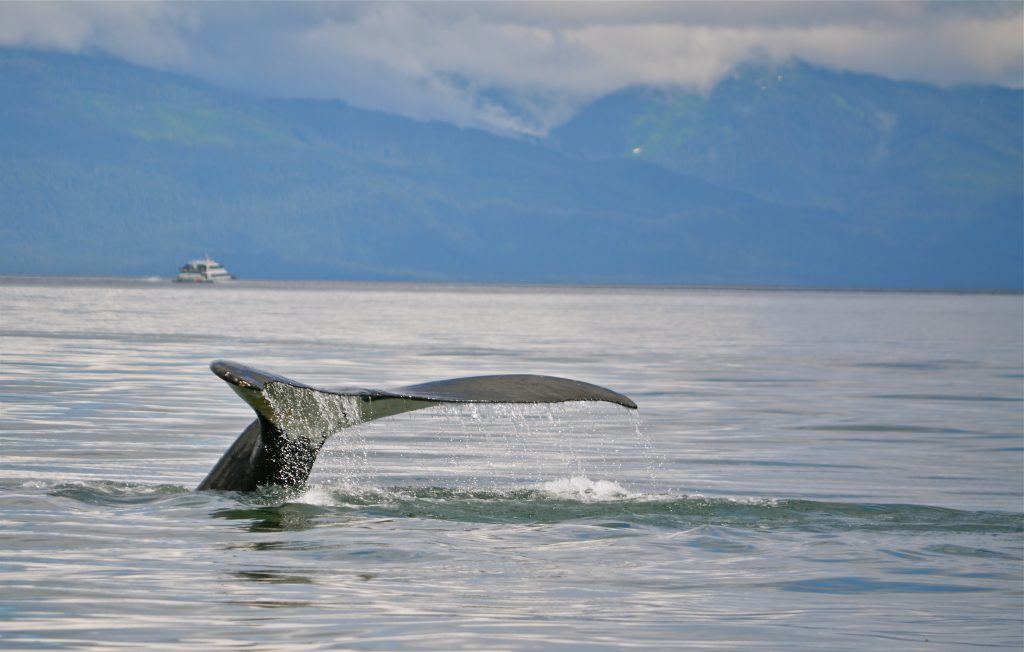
(806,471)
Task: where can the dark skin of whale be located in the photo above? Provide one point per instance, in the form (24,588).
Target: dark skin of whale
(294,420)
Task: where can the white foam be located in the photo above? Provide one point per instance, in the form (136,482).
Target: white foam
(318,495)
(581,488)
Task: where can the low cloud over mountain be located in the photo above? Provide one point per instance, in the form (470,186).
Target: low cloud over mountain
(522,67)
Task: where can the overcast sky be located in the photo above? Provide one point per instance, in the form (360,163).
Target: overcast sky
(520,66)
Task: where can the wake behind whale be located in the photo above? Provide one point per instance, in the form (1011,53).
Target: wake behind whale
(294,420)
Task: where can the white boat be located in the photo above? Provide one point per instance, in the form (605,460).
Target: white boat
(205,270)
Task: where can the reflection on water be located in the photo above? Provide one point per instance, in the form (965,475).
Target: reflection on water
(291,517)
(274,577)
(807,471)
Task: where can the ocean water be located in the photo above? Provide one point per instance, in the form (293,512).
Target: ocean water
(807,471)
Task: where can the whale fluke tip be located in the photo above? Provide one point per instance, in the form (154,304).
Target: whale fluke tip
(240,375)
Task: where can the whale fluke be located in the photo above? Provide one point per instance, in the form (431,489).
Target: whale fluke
(294,420)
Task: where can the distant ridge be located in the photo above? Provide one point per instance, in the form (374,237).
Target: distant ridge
(791,176)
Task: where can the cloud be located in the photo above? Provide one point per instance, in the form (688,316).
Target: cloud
(523,67)
(150,34)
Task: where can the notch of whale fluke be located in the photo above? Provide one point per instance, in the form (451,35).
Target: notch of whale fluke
(294,420)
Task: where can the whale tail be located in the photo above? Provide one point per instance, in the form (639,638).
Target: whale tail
(294,420)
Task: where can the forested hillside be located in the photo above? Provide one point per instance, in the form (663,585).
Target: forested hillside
(796,176)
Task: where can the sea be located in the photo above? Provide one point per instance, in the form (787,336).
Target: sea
(807,470)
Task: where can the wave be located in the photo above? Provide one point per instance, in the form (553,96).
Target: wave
(572,499)
(106,493)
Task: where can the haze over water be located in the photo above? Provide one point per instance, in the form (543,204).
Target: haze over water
(807,470)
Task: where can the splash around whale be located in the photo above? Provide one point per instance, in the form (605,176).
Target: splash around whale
(294,420)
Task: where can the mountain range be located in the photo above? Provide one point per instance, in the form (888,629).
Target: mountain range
(786,175)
